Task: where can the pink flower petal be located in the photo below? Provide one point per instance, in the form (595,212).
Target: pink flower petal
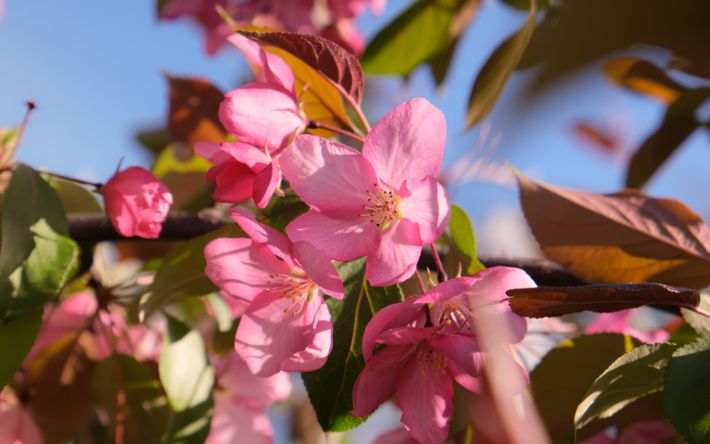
(241,268)
(646,432)
(397,255)
(253,157)
(489,293)
(268,67)
(376,382)
(618,322)
(17,425)
(264,234)
(253,391)
(428,206)
(425,394)
(463,359)
(234,422)
(274,333)
(319,268)
(265,184)
(235,182)
(406,335)
(339,239)
(319,331)
(396,436)
(261,114)
(212,152)
(446,290)
(392,316)
(330,177)
(408,143)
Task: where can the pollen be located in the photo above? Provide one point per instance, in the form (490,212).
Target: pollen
(429,361)
(298,289)
(382,207)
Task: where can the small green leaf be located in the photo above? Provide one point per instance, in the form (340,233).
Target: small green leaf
(495,73)
(37,257)
(419,34)
(464,241)
(561,380)
(281,211)
(182,272)
(330,388)
(75,198)
(126,387)
(188,379)
(687,391)
(634,375)
(16,340)
(698,322)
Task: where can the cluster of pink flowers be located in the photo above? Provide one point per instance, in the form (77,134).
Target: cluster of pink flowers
(383,203)
(333,19)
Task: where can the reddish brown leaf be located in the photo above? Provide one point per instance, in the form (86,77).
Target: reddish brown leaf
(321,54)
(543,302)
(598,137)
(621,237)
(194,106)
(642,77)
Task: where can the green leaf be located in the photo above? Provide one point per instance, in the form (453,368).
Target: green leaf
(687,391)
(222,312)
(561,380)
(677,125)
(183,172)
(143,406)
(419,34)
(464,241)
(495,73)
(16,340)
(698,322)
(281,211)
(634,375)
(188,379)
(330,388)
(182,272)
(75,198)
(37,257)
(525,4)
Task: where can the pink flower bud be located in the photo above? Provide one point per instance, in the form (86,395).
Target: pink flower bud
(136,202)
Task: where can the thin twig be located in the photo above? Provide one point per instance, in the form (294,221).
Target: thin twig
(319,125)
(437,261)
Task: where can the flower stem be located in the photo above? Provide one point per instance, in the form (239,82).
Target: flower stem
(318,125)
(437,261)
(420,282)
(354,105)
(697,309)
(96,185)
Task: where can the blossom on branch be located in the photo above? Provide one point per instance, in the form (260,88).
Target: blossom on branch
(136,202)
(426,343)
(385,203)
(278,287)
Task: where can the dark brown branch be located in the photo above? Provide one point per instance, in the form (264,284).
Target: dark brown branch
(89,229)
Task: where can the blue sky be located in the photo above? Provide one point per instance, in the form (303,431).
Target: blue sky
(95,70)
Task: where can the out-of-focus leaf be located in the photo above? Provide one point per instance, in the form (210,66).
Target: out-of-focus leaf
(621,237)
(330,388)
(634,375)
(687,391)
(16,339)
(561,380)
(678,124)
(183,172)
(541,302)
(598,137)
(127,391)
(75,198)
(321,54)
(222,312)
(463,248)
(699,323)
(194,110)
(182,272)
(524,5)
(576,32)
(155,139)
(36,257)
(495,73)
(642,77)
(416,36)
(466,11)
(188,379)
(61,401)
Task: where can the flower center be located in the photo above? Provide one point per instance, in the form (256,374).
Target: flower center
(382,207)
(294,287)
(429,360)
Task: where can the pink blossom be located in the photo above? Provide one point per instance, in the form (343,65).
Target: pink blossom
(618,322)
(240,401)
(16,424)
(428,343)
(136,202)
(384,203)
(639,432)
(344,33)
(240,172)
(286,325)
(265,113)
(353,8)
(395,436)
